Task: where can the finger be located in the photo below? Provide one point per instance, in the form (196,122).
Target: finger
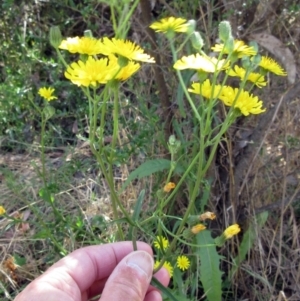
(88,265)
(131,278)
(162,276)
(153,296)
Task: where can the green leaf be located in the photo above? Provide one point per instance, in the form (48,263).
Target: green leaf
(148,168)
(138,205)
(210,274)
(20,261)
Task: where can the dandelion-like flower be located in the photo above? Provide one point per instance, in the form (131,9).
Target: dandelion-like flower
(246,102)
(126,49)
(207,215)
(256,78)
(126,71)
(161,243)
(271,65)
(91,72)
(200,63)
(169,186)
(2,210)
(47,93)
(183,262)
(82,45)
(197,228)
(205,89)
(240,49)
(170,24)
(231,231)
(167,265)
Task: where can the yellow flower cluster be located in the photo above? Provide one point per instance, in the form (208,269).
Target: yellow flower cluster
(242,100)
(119,60)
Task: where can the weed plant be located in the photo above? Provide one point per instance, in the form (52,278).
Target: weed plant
(185,242)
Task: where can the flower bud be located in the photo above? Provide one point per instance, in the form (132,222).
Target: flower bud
(197,40)
(225,31)
(191,26)
(198,228)
(55,36)
(229,44)
(88,33)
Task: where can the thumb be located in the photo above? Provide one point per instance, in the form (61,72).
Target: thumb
(130,279)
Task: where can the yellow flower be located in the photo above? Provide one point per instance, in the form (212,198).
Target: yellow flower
(47,93)
(91,72)
(125,49)
(231,231)
(167,265)
(200,63)
(161,243)
(240,49)
(271,65)
(246,102)
(256,78)
(126,71)
(205,89)
(207,215)
(198,228)
(2,210)
(83,45)
(168,187)
(170,24)
(183,262)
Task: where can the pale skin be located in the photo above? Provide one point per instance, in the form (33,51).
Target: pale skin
(113,270)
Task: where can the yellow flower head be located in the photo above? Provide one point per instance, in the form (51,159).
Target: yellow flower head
(168,187)
(231,231)
(170,24)
(197,228)
(246,102)
(183,262)
(167,265)
(2,210)
(205,89)
(200,63)
(271,65)
(83,45)
(256,78)
(207,215)
(47,93)
(240,49)
(161,243)
(126,49)
(126,71)
(91,72)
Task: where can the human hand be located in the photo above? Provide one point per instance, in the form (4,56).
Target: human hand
(112,270)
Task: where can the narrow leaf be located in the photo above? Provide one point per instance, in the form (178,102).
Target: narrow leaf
(210,274)
(148,168)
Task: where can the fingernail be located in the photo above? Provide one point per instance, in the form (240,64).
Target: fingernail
(142,262)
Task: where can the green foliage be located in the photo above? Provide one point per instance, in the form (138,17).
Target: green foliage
(148,168)
(210,274)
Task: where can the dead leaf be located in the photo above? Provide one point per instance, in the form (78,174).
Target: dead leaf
(278,49)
